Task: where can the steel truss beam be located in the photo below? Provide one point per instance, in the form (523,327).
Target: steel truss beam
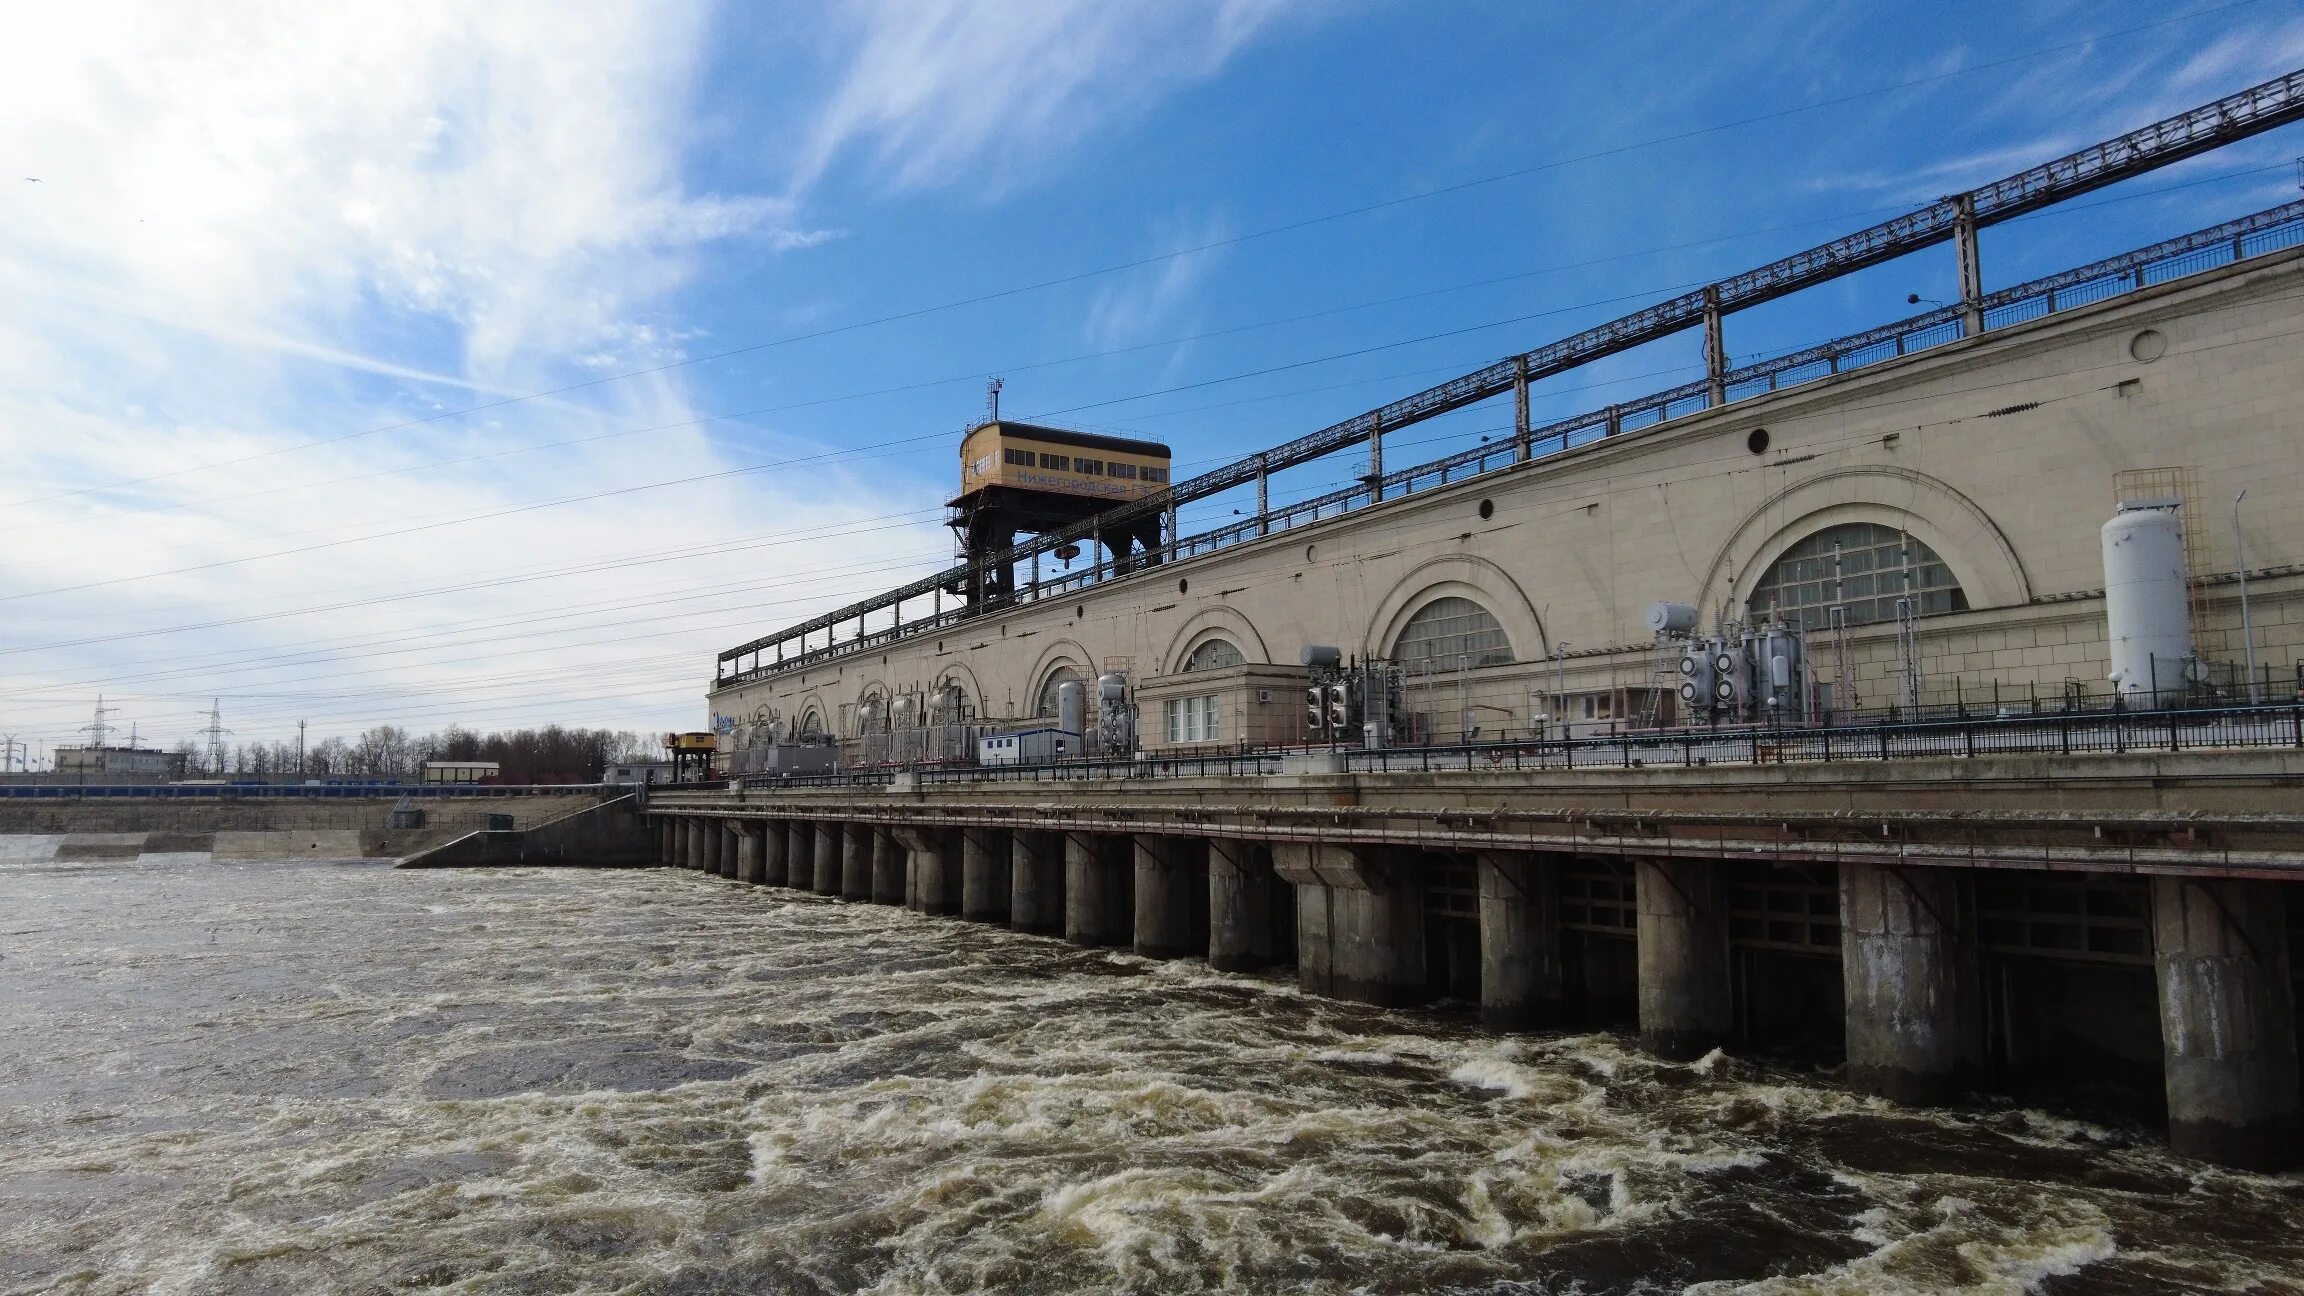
(2235,117)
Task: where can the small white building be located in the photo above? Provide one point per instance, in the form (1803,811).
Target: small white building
(461,771)
(643,773)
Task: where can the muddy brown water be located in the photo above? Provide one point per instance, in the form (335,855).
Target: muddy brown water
(319,1076)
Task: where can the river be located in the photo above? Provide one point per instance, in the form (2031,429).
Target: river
(336,1077)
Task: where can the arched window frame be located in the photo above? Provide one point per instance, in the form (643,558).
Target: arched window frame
(1213,653)
(1864,567)
(1477,634)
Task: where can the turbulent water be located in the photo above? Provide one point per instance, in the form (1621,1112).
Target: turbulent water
(335,1077)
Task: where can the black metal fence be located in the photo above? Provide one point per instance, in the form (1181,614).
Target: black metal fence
(1990,734)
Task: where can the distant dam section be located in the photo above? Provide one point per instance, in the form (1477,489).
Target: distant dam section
(574,825)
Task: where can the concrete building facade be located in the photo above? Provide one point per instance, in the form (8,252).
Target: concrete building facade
(1984,466)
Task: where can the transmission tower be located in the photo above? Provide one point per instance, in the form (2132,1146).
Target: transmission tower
(216,733)
(13,753)
(101,729)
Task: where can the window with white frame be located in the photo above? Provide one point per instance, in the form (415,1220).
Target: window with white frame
(1194,719)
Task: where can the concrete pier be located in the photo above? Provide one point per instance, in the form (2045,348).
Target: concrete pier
(724,849)
(683,843)
(667,847)
(1912,983)
(1359,926)
(700,835)
(1099,890)
(748,837)
(827,879)
(1169,893)
(1239,907)
(984,875)
(799,854)
(1687,1008)
(1523,982)
(1036,882)
(932,881)
(887,868)
(2227,1021)
(856,862)
(775,835)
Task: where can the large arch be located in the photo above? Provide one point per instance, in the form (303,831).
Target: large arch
(959,673)
(1058,653)
(1216,621)
(1962,534)
(1462,576)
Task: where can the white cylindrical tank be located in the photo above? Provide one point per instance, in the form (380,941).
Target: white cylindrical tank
(1671,618)
(2147,614)
(1072,711)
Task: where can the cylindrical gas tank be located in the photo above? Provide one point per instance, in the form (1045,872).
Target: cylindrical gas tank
(2148,618)
(1072,711)
(1671,618)
(1111,688)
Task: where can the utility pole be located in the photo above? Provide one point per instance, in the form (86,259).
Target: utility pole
(2247,627)
(299,749)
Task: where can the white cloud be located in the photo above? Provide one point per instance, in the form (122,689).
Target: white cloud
(258,225)
(941,90)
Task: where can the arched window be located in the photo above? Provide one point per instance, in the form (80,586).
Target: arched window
(1065,674)
(1213,655)
(1861,566)
(811,724)
(1448,629)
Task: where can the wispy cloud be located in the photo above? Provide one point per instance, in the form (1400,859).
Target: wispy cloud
(935,90)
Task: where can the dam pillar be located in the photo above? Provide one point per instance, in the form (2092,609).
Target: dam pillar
(748,836)
(1912,982)
(775,834)
(826,881)
(2227,1020)
(856,862)
(1523,981)
(667,841)
(932,870)
(699,845)
(1171,897)
(1239,907)
(799,854)
(1359,923)
(681,847)
(984,875)
(1686,1005)
(887,868)
(724,853)
(1099,890)
(1036,882)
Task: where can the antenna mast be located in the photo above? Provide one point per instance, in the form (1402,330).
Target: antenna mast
(992,400)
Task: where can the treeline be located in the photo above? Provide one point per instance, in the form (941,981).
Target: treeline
(551,754)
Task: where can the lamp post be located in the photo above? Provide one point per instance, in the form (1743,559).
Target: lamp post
(1560,683)
(2247,627)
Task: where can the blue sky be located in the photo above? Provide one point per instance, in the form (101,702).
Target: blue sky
(260,227)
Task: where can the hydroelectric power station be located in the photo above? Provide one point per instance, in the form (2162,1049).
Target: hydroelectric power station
(1925,695)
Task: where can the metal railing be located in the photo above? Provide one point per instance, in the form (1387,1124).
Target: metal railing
(2259,234)
(263,791)
(2036,733)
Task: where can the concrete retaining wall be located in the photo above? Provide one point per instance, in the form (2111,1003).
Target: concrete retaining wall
(612,834)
